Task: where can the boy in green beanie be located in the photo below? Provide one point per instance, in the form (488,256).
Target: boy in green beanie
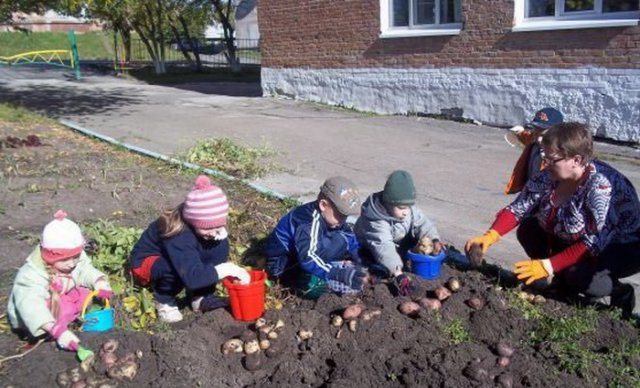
(390,224)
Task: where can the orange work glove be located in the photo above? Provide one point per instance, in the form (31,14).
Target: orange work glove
(531,270)
(485,241)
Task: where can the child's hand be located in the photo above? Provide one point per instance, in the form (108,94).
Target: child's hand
(104,294)
(68,341)
(229,269)
(103,288)
(63,336)
(437,247)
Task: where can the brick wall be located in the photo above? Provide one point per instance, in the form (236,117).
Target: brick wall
(344,34)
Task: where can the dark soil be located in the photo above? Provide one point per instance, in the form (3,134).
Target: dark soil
(91,181)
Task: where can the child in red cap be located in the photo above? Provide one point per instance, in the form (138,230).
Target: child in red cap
(52,285)
(187,247)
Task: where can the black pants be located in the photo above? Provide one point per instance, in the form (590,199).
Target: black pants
(595,278)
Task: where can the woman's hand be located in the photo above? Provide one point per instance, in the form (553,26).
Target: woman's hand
(484,241)
(531,270)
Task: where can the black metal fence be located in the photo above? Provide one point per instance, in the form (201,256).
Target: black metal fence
(212,52)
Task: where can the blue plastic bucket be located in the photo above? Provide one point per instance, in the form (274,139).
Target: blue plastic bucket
(426,266)
(100,320)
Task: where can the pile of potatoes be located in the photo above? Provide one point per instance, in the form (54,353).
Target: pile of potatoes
(110,367)
(350,316)
(533,298)
(412,308)
(262,339)
(480,371)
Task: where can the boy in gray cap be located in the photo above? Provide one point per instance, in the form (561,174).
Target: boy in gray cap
(391,224)
(308,247)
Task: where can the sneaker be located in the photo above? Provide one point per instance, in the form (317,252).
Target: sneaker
(168,313)
(208,303)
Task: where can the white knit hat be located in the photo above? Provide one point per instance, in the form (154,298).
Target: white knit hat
(206,205)
(61,239)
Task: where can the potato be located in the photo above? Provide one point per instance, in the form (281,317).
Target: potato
(409,308)
(505,350)
(75,375)
(108,359)
(476,372)
(110,346)
(272,335)
(353,325)
(503,362)
(369,315)
(453,284)
(505,380)
(442,293)
(251,347)
(352,312)
(264,344)
(139,354)
(86,364)
(123,370)
(63,379)
(337,321)
(539,299)
(430,303)
(475,255)
(233,345)
(304,334)
(279,324)
(252,362)
(260,322)
(476,303)
(424,246)
(79,384)
(274,350)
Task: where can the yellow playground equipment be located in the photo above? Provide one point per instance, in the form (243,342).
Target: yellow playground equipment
(63,58)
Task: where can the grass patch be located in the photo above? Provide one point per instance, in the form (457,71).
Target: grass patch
(16,114)
(91,45)
(180,75)
(456,332)
(225,155)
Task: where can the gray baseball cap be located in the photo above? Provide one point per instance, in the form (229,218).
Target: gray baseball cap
(343,194)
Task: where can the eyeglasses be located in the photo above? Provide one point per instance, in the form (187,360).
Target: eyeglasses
(548,161)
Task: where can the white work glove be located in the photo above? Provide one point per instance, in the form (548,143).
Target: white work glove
(229,269)
(68,341)
(222,234)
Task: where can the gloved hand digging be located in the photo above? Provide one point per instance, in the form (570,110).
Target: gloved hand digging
(402,285)
(531,270)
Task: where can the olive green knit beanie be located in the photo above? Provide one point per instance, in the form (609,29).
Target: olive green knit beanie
(399,189)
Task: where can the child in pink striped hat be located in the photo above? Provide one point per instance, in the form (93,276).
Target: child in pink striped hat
(52,285)
(187,248)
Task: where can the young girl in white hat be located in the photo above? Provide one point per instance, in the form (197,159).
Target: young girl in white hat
(52,285)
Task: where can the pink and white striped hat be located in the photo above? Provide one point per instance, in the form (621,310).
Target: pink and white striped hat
(206,205)
(61,239)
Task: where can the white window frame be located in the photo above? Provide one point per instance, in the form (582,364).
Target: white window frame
(389,31)
(571,20)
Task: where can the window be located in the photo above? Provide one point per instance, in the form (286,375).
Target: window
(402,18)
(566,14)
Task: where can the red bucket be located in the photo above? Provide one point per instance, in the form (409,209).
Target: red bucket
(247,300)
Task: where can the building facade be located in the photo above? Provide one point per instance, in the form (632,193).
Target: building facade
(495,61)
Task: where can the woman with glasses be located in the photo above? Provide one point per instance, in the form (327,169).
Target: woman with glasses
(578,221)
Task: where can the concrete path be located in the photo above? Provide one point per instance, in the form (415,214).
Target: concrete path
(459,169)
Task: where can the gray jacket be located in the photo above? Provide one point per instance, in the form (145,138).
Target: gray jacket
(381,233)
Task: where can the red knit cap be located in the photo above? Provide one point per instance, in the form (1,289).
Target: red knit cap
(206,206)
